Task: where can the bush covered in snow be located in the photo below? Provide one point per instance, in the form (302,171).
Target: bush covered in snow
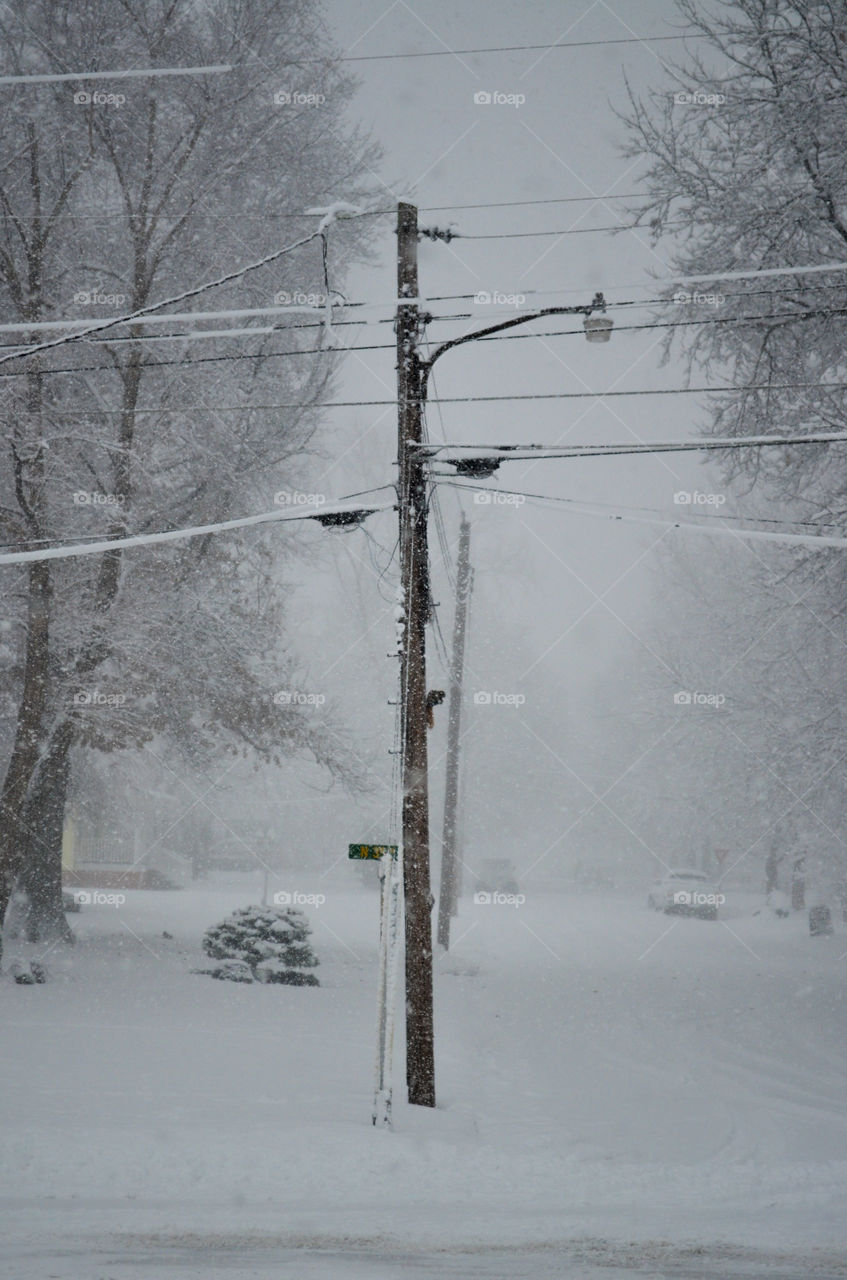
(271,942)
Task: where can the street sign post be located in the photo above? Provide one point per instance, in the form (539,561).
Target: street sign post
(372,851)
(391,880)
(391,877)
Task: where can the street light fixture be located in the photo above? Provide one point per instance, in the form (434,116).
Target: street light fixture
(598,328)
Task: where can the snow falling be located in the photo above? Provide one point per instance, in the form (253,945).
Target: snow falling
(422,577)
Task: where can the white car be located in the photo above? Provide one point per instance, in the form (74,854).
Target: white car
(686,893)
(497,875)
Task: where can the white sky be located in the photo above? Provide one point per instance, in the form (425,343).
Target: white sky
(538,625)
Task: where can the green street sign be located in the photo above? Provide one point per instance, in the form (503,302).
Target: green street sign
(372,850)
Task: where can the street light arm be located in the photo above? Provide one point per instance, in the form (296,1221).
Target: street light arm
(597,304)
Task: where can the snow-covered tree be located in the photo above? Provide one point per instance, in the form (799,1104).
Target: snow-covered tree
(748,758)
(272,942)
(117,204)
(746,171)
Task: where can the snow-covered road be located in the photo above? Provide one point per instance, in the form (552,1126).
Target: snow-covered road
(616,1090)
(234,1259)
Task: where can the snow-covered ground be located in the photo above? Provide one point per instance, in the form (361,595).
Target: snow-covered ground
(616,1090)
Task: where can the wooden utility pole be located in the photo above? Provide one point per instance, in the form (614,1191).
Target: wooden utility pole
(449,881)
(412,376)
(414,569)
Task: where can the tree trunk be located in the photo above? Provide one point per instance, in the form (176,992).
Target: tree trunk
(25,748)
(41,873)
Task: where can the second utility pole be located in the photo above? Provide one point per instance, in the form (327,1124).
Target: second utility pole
(414,570)
(449,879)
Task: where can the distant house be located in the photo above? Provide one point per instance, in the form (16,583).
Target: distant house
(97,854)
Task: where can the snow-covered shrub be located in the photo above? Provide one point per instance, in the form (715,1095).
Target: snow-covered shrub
(271,941)
(230,971)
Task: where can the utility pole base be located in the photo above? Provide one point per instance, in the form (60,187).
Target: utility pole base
(382,1109)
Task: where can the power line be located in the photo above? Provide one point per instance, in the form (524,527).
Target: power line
(507,337)
(525,453)
(364,493)
(757,272)
(142,313)
(610,306)
(567,231)
(142,73)
(729,273)
(514,204)
(534,395)
(298,309)
(617,506)
(225,68)
(205,335)
(76,538)
(557,395)
(441,530)
(432,208)
(506,48)
(293,309)
(63,550)
(198,360)
(15,349)
(194,335)
(740,321)
(641,391)
(175,535)
(796,539)
(172,317)
(156,306)
(440,526)
(220,313)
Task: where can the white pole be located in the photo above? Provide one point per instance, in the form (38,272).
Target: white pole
(382,1106)
(391,876)
(395,916)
